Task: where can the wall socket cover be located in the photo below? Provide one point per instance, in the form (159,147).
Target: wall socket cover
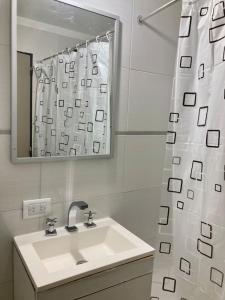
(36,208)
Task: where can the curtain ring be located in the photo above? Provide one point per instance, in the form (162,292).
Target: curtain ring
(77,46)
(87,41)
(66,51)
(108,35)
(97,38)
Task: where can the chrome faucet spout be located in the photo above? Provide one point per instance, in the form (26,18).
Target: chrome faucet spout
(72,213)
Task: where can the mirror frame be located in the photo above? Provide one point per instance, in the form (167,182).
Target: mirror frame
(113,93)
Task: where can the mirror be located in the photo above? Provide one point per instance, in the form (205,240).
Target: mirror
(64,71)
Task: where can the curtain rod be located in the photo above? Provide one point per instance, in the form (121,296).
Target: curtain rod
(141,20)
(68,50)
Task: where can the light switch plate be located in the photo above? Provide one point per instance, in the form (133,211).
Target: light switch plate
(36,208)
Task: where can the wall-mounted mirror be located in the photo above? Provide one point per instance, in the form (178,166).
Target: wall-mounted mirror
(64,73)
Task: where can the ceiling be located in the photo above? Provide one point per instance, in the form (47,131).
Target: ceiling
(64,15)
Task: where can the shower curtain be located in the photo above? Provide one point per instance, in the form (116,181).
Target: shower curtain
(190,258)
(72,104)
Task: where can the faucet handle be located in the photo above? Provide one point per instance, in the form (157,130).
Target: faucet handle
(50,222)
(90,213)
(90,222)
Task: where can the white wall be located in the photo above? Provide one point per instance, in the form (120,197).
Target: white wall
(126,187)
(42,43)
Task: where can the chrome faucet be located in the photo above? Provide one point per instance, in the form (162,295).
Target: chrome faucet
(72,213)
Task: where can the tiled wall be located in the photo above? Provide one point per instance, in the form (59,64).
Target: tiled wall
(126,187)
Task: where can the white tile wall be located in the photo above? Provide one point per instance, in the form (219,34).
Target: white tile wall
(54,178)
(149,101)
(160,37)
(17,182)
(127,185)
(143,161)
(98,177)
(121,105)
(142,216)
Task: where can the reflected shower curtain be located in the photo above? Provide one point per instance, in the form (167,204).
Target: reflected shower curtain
(72,106)
(190,259)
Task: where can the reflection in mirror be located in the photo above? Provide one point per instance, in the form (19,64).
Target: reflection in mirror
(64,80)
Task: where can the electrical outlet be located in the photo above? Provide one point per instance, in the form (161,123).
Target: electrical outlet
(36,208)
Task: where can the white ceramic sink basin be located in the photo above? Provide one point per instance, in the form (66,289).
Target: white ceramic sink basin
(51,261)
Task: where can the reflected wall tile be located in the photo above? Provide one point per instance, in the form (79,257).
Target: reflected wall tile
(18,182)
(4,86)
(4,22)
(124,10)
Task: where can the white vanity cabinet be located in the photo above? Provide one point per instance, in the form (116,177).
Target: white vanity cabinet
(129,281)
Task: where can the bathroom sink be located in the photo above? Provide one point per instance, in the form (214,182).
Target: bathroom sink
(86,246)
(51,261)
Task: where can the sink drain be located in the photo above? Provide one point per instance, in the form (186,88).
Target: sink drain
(82,261)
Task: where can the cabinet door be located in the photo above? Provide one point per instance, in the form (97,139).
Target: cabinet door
(136,289)
(23,289)
(107,280)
